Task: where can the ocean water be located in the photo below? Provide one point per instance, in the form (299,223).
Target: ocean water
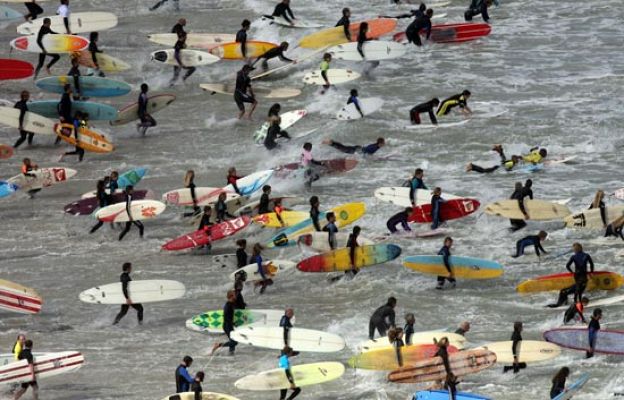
(549,74)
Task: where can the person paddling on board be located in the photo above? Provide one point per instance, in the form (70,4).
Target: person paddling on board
(286,324)
(400,218)
(146,120)
(531,240)
(178,28)
(598,203)
(45,30)
(272,53)
(459,100)
(34,10)
(265,275)
(182,376)
(265,199)
(428,107)
(93,51)
(177,55)
(581,261)
(615,228)
(436,208)
(128,192)
(345,22)
(445,252)
(412,33)
(284,363)
(125,279)
(241,37)
(413,13)
(382,319)
(450,382)
(324,68)
(64,12)
(558,382)
(518,195)
(408,329)
(22,106)
(516,344)
(415,183)
(575,312)
(244,92)
(282,9)
(592,332)
(477,7)
(331,230)
(315,212)
(228,323)
(365,150)
(26,354)
(353,99)
(274,131)
(508,164)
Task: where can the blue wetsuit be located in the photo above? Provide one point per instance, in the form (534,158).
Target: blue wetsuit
(523,243)
(436,207)
(414,184)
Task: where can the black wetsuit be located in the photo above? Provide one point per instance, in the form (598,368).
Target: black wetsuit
(603,211)
(177,54)
(557,387)
(477,7)
(427,107)
(178,29)
(314,215)
(415,183)
(287,325)
(74,72)
(398,218)
(131,222)
(125,279)
(273,133)
(458,100)
(55,57)
(381,320)
(413,30)
(241,37)
(205,222)
(451,383)
(345,22)
(222,211)
(360,43)
(446,254)
(228,325)
(516,340)
(611,231)
(241,258)
(26,354)
(581,260)
(408,332)
(519,195)
(23,107)
(436,211)
(93,49)
(33,10)
(146,119)
(103,201)
(263,207)
(78,150)
(532,240)
(272,53)
(65,108)
(197,390)
(366,150)
(283,10)
(572,312)
(243,82)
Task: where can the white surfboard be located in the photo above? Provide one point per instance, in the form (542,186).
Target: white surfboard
(46,366)
(34,123)
(299,339)
(288,119)
(266,93)
(42,177)
(203,396)
(193,39)
(155,103)
(296,23)
(204,196)
(335,77)
(265,318)
(189,58)
(80,22)
(368,106)
(591,219)
(417,338)
(271,268)
(319,241)
(439,125)
(303,375)
(557,161)
(251,183)
(399,196)
(140,210)
(601,302)
(373,50)
(148,291)
(530,351)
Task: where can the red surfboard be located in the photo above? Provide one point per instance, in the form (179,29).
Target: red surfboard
(6,151)
(454,33)
(451,209)
(212,234)
(328,167)
(15,69)
(18,298)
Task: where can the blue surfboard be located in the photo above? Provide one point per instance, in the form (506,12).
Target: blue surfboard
(96,111)
(7,189)
(573,388)
(444,395)
(91,86)
(131,177)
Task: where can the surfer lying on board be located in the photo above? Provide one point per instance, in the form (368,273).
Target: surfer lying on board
(128,191)
(427,107)
(413,13)
(615,228)
(459,100)
(450,383)
(244,92)
(581,261)
(22,105)
(419,24)
(177,55)
(125,278)
(436,208)
(399,218)
(558,382)
(26,354)
(516,339)
(345,22)
(575,312)
(531,240)
(45,30)
(445,252)
(284,363)
(241,37)
(382,319)
(535,156)
(366,150)
(592,331)
(283,10)
(272,53)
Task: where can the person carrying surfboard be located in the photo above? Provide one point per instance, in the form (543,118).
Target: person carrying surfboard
(78,123)
(331,230)
(519,194)
(94,50)
(598,203)
(558,382)
(458,100)
(182,377)
(419,24)
(65,12)
(581,261)
(146,120)
(228,323)
(416,182)
(241,37)
(26,354)
(352,245)
(284,363)
(282,9)
(128,192)
(408,329)
(592,332)
(178,28)
(353,98)
(103,201)
(399,218)
(428,107)
(382,319)
(463,328)
(450,383)
(477,7)
(221,208)
(256,258)
(413,13)
(315,212)
(531,240)
(45,30)
(189,183)
(361,38)
(125,279)
(445,252)
(18,345)
(286,324)
(395,337)
(272,53)
(436,208)
(516,343)
(274,131)
(22,105)
(241,254)
(244,92)
(615,228)
(369,149)
(345,22)
(34,10)
(324,68)
(177,55)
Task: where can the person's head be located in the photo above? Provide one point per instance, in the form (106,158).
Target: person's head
(266,189)
(207,210)
(144,88)
(199,376)
(276,108)
(517,326)
(246,24)
(408,210)
(443,342)
(25,95)
(356,230)
(410,319)
(327,57)
(257,249)
(518,186)
(466,93)
(67,88)
(543,152)
(47,22)
(28,344)
(277,202)
(429,12)
(284,46)
(584,301)
(114,175)
(287,351)
(21,338)
(307,146)
(129,189)
(232,171)
(182,21)
(562,374)
(528,183)
(346,12)
(100,186)
(222,196)
(381,142)
(353,92)
(240,276)
(26,161)
(435,101)
(126,267)
(542,235)
(286,1)
(231,295)
(247,69)
(189,177)
(242,243)
(364,27)
(465,326)
(331,217)
(577,247)
(289,312)
(448,241)
(314,201)
(515,159)
(93,36)
(422,7)
(418,173)
(187,360)
(437,191)
(392,301)
(65,2)
(596,315)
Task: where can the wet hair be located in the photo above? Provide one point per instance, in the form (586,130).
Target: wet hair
(448,239)
(410,318)
(542,234)
(144,87)
(562,374)
(381,141)
(207,209)
(345,11)
(188,360)
(257,248)
(392,301)
(597,312)
(330,215)
(241,242)
(47,21)
(189,177)
(577,246)
(286,350)
(93,36)
(357,230)
(435,101)
(28,343)
(585,300)
(307,146)
(409,210)
(528,183)
(353,92)
(418,171)
(517,326)
(246,23)
(543,153)
(518,185)
(429,12)
(422,7)
(126,267)
(466,93)
(200,376)
(314,200)
(284,45)
(266,188)
(327,56)
(66,87)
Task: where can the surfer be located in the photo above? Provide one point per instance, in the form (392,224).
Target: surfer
(78,123)
(463,328)
(382,319)
(244,92)
(112,184)
(282,9)
(516,343)
(27,167)
(64,12)
(45,30)
(436,208)
(103,200)
(241,37)
(458,100)
(445,252)
(599,203)
(400,218)
(196,387)
(18,346)
(284,363)
(416,182)
(353,98)
(352,245)
(331,230)
(581,261)
(413,13)
(263,270)
(128,192)
(558,382)
(575,312)
(265,198)
(450,382)
(278,209)
(395,337)
(239,281)
(428,107)
(477,7)
(22,105)
(272,53)
(519,194)
(125,278)
(178,28)
(94,50)
(221,208)
(228,323)
(287,324)
(408,329)
(593,329)
(345,22)
(504,162)
(308,163)
(615,228)
(315,212)
(177,55)
(365,150)
(189,183)
(324,68)
(182,376)
(361,38)
(74,73)
(419,24)
(206,222)
(176,5)
(33,10)
(241,254)
(531,240)
(147,121)
(274,131)
(231,178)
(26,354)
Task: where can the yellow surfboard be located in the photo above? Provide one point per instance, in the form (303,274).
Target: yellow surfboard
(463,267)
(290,218)
(387,359)
(334,36)
(601,280)
(232,51)
(107,63)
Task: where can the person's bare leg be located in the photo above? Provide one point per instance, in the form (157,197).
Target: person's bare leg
(253,107)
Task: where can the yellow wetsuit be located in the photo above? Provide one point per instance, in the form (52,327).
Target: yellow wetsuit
(454,101)
(17,349)
(533,157)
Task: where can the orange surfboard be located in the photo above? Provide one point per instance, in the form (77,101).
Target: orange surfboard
(87,139)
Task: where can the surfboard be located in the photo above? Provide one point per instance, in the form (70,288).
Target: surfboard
(232,51)
(303,375)
(6,152)
(45,366)
(345,214)
(32,122)
(15,69)
(80,22)
(105,62)
(432,369)
(88,139)
(96,111)
(607,342)
(399,196)
(251,183)
(271,269)
(426,337)
(444,395)
(287,120)
(574,388)
(88,205)
(140,210)
(7,189)
(289,218)
(146,291)
(334,36)
(20,299)
(193,39)
(203,396)
(387,359)
(296,23)
(591,219)
(593,303)
(246,206)
(335,77)
(560,160)
(91,86)
(266,93)
(58,43)
(7,14)
(531,351)
(42,177)
(449,210)
(439,125)
(202,237)
(463,267)
(190,58)
(155,103)
(212,321)
(299,339)
(327,167)
(601,280)
(373,50)
(538,210)
(204,196)
(340,260)
(319,241)
(130,177)
(453,33)
(368,106)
